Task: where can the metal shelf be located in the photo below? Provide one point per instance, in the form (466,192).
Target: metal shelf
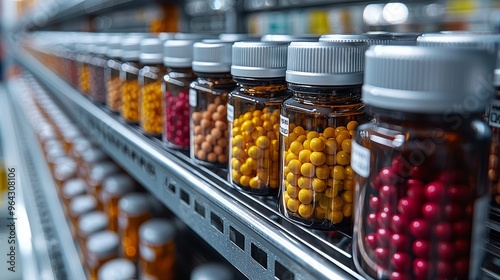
(43,232)
(247,231)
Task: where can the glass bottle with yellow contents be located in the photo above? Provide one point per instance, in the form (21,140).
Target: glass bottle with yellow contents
(134,210)
(253,114)
(157,250)
(316,126)
(129,77)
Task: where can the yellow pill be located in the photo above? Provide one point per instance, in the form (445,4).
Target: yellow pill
(235,163)
(307,144)
(331,146)
(317,144)
(248,126)
(293,205)
(330,159)
(254,152)
(318,185)
(257,121)
(257,113)
(306,210)
(304,182)
(307,169)
(335,216)
(292,179)
(343,158)
(299,130)
(301,138)
(292,137)
(245,169)
(236,131)
(254,183)
(238,141)
(237,152)
(338,172)
(331,192)
(292,191)
(248,116)
(317,158)
(312,134)
(263,142)
(306,196)
(257,132)
(347,196)
(324,202)
(339,129)
(342,136)
(319,213)
(252,163)
(352,125)
(348,184)
(347,210)
(289,156)
(346,145)
(295,166)
(286,197)
(245,180)
(329,132)
(296,147)
(304,156)
(348,171)
(236,175)
(323,172)
(337,203)
(267,125)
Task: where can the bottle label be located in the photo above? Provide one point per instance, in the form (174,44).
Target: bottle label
(479,234)
(147,253)
(230,113)
(494,113)
(284,125)
(193,98)
(360,159)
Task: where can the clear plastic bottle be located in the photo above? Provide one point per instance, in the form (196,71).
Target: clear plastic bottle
(421,163)
(157,250)
(317,124)
(101,248)
(178,58)
(114,188)
(83,60)
(80,206)
(133,211)
(112,74)
(150,89)
(253,113)
(89,224)
(208,103)
(117,269)
(129,76)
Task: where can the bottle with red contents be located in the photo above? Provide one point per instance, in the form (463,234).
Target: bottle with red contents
(178,56)
(421,163)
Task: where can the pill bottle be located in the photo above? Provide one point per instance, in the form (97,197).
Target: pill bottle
(208,97)
(150,80)
(371,38)
(178,58)
(69,134)
(129,76)
(157,250)
(421,163)
(98,173)
(117,269)
(65,168)
(89,158)
(212,271)
(112,74)
(83,61)
(98,62)
(316,126)
(53,155)
(72,188)
(79,206)
(133,211)
(89,224)
(114,188)
(253,109)
(101,248)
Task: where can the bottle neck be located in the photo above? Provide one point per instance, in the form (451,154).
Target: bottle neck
(348,94)
(258,86)
(445,120)
(215,78)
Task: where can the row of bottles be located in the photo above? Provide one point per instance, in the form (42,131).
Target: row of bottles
(121,230)
(397,131)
